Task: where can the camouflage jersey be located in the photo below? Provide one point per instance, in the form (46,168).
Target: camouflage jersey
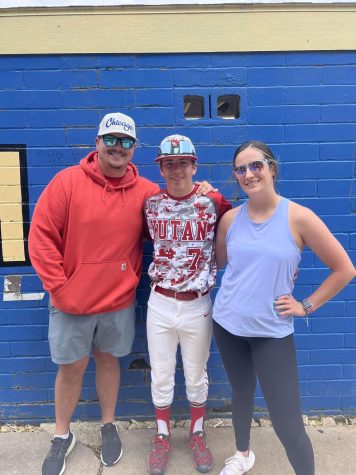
(183,234)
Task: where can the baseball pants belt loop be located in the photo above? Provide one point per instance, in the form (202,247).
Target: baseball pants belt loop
(189,295)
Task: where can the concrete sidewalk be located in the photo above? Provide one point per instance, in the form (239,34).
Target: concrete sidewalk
(23,452)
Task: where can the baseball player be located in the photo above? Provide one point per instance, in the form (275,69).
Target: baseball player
(182,226)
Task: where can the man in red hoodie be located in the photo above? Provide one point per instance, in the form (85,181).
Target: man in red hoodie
(86,246)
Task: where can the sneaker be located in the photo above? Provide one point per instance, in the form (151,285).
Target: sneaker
(111,449)
(54,463)
(202,458)
(238,464)
(158,458)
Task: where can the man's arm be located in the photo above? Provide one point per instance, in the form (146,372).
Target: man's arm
(45,237)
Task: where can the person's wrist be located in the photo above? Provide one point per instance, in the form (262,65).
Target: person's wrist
(307,306)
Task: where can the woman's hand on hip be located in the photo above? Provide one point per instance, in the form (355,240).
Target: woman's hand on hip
(287,305)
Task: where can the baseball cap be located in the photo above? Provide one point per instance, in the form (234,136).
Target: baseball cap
(117,123)
(176,145)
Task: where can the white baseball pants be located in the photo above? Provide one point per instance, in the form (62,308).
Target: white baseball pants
(189,323)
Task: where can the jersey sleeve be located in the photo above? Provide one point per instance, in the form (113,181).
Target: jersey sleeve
(221,202)
(224,206)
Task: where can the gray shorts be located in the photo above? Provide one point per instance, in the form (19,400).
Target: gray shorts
(72,337)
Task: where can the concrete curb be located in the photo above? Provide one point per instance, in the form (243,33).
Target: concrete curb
(24,451)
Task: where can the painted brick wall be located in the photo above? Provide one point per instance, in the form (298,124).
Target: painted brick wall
(302,104)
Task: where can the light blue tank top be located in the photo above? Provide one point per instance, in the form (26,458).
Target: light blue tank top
(262,259)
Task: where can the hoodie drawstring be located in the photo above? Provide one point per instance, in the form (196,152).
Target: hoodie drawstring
(123,202)
(104,190)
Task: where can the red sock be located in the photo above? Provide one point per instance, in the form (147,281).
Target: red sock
(162,420)
(197,413)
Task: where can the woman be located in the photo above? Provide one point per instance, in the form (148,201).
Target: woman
(261,243)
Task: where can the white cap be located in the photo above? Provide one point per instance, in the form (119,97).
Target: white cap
(117,123)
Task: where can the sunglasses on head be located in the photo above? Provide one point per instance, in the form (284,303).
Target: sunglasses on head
(255,166)
(125,142)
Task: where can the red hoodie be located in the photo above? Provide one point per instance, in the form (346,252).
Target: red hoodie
(85,240)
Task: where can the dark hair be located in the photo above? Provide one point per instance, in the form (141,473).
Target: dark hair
(262,147)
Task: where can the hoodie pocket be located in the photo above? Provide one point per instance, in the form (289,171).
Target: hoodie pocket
(97,287)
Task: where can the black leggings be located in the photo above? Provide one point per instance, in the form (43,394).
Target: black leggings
(273,362)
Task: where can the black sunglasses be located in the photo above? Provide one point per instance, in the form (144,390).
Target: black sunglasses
(125,142)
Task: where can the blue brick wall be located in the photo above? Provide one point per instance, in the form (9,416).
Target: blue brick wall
(302,104)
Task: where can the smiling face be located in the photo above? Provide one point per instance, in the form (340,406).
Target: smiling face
(178,173)
(253,171)
(113,160)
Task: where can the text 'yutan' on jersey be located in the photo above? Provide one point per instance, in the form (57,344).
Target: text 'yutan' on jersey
(183,235)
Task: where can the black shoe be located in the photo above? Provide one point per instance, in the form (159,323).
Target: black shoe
(111,449)
(54,463)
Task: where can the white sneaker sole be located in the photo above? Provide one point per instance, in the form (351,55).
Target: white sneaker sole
(109,465)
(70,448)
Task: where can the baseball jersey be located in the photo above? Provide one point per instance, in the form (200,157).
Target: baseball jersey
(183,234)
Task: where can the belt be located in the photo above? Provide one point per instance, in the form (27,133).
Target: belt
(189,295)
